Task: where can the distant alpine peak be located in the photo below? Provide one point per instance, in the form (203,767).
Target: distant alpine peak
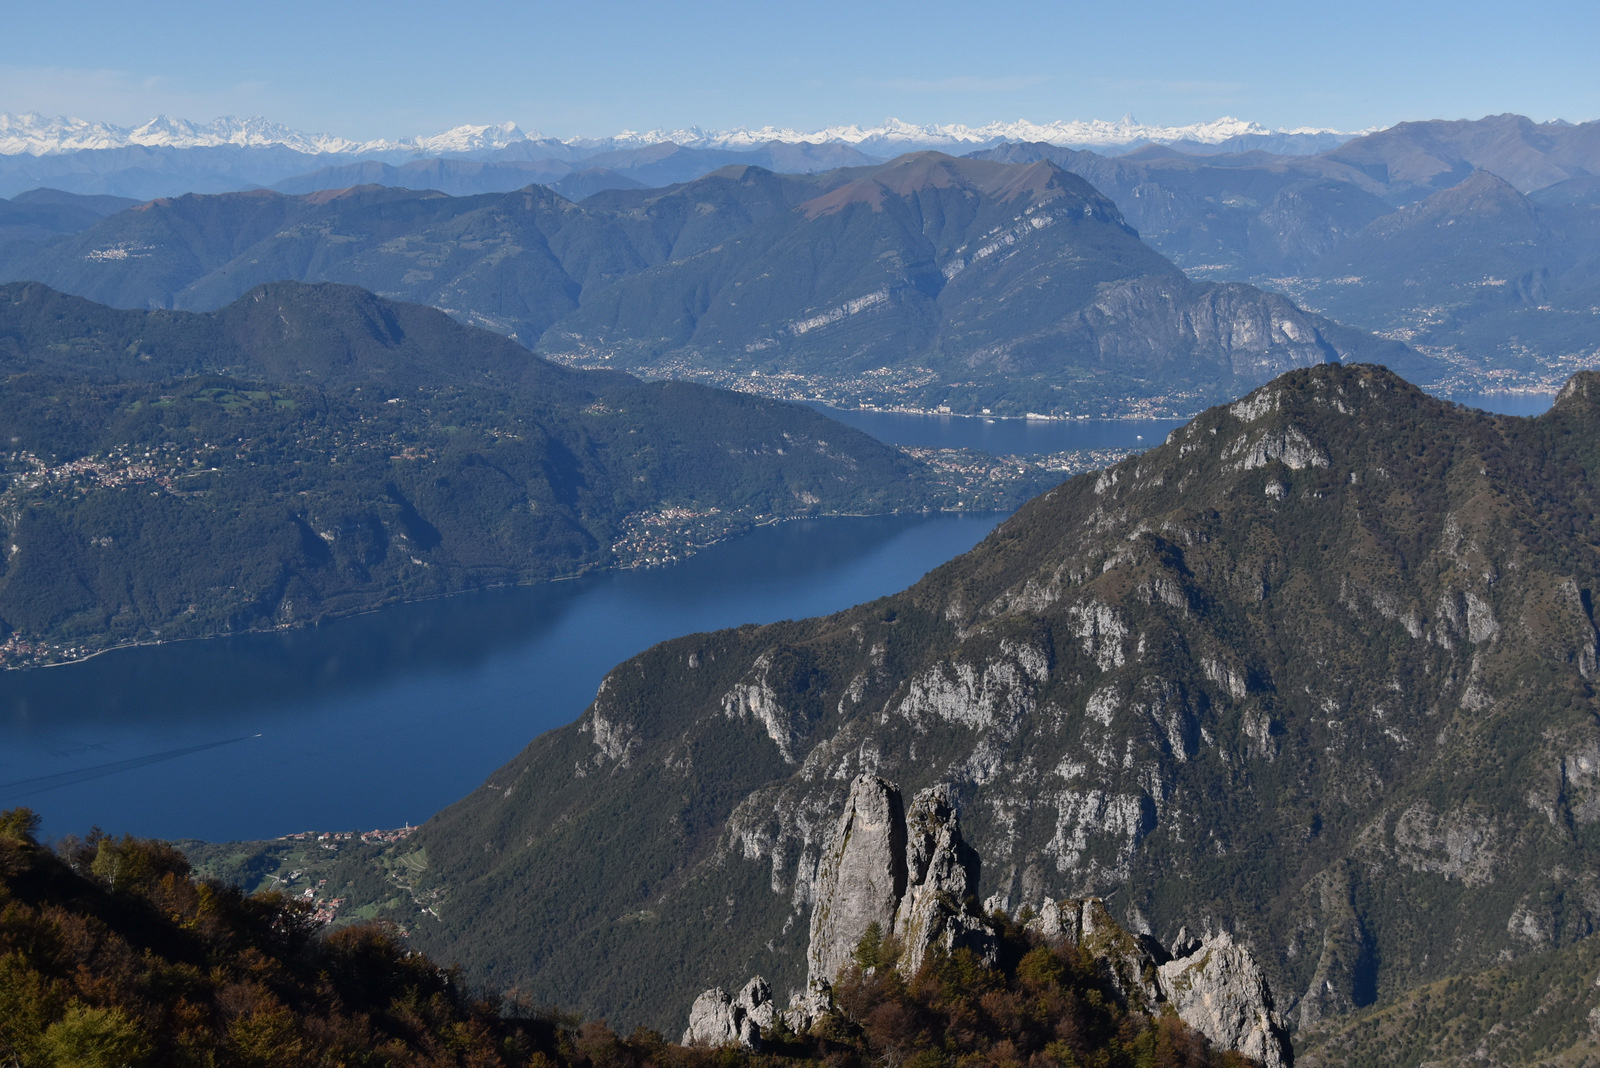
(38,135)
(1076,133)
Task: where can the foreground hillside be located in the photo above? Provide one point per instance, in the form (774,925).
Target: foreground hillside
(313,450)
(112,956)
(1317,671)
(926,280)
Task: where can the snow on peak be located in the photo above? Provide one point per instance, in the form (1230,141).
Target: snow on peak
(894,133)
(37,135)
(472,138)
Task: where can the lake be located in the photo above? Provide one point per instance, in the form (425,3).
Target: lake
(380,720)
(1005,437)
(1033,437)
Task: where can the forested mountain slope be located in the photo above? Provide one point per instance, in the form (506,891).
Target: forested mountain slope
(314,450)
(1318,671)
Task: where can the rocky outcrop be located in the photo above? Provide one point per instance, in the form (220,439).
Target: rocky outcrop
(861,876)
(1219,991)
(941,885)
(1127,962)
(807,1008)
(720,1020)
(910,874)
(1214,984)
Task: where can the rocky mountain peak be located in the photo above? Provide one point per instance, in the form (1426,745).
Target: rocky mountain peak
(909,874)
(1213,984)
(1580,394)
(1327,651)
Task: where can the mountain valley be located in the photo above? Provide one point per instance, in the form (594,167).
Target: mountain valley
(1316,672)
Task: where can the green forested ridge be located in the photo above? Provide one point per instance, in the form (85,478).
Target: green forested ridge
(45,213)
(314,450)
(926,280)
(112,955)
(1318,670)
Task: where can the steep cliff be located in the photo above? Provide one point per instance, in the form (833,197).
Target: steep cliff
(908,874)
(1317,673)
(876,855)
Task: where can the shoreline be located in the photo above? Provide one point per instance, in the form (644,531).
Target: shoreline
(587,572)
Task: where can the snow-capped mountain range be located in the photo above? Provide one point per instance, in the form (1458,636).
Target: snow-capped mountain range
(1077,133)
(38,135)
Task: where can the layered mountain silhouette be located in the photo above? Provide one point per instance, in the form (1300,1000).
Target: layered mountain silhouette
(1473,240)
(927,280)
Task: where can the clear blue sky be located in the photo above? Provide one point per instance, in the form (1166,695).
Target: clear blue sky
(366,69)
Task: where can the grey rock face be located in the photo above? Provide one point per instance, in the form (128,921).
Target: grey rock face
(719,1020)
(806,1009)
(912,875)
(861,876)
(941,880)
(1219,991)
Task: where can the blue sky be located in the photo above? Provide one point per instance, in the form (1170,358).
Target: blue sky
(363,69)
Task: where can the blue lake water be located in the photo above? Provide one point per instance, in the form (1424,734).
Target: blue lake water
(383,719)
(1005,437)
(1506,403)
(1031,437)
(380,720)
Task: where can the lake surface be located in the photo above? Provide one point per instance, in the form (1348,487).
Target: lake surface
(383,719)
(1005,437)
(1505,403)
(380,720)
(1032,437)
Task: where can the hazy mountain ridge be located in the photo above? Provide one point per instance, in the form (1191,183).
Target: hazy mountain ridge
(1319,671)
(36,134)
(170,157)
(1474,241)
(927,281)
(652,166)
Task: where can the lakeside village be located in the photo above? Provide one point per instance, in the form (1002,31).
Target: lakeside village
(323,908)
(882,389)
(972,481)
